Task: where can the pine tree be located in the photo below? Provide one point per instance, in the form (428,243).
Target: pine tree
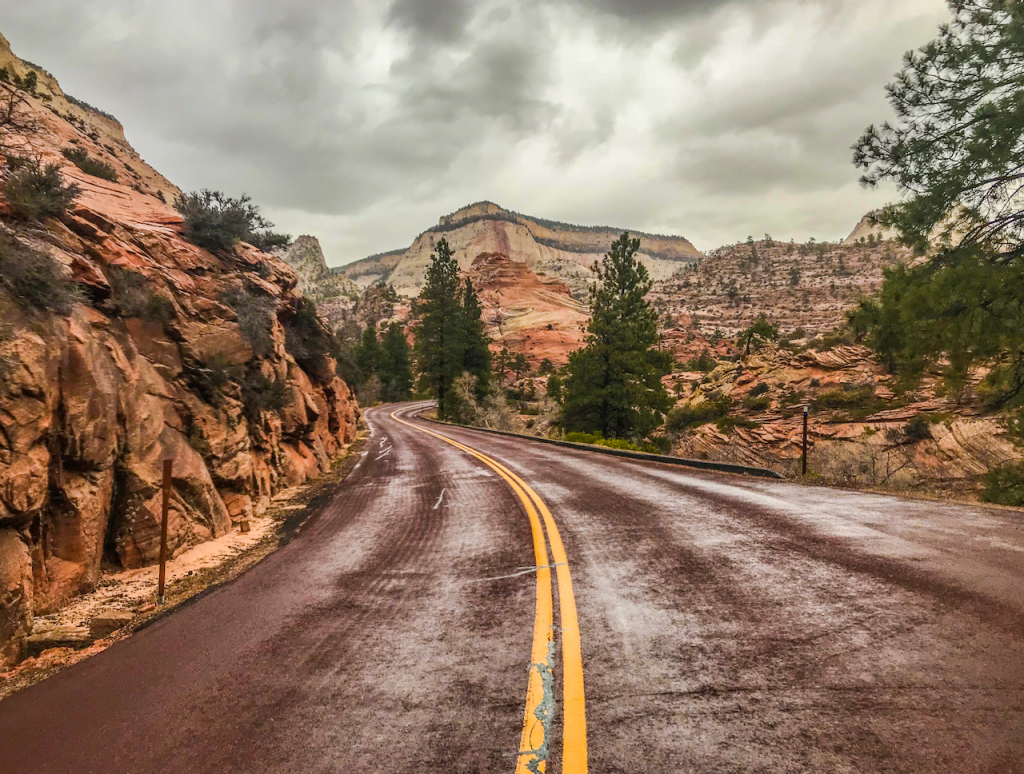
(519,365)
(368,354)
(614,384)
(956,153)
(395,368)
(477,357)
(440,338)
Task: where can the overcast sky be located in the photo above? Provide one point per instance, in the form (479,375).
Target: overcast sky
(362,123)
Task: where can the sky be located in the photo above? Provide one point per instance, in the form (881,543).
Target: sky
(363,122)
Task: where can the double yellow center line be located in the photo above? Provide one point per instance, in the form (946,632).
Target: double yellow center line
(539,704)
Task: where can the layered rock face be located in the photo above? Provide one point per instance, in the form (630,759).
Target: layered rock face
(526,311)
(797,287)
(558,248)
(92,402)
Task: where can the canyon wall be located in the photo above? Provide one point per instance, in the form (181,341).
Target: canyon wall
(157,356)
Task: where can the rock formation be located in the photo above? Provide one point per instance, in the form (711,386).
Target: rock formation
(333,292)
(866,229)
(557,248)
(861,429)
(526,311)
(807,288)
(154,361)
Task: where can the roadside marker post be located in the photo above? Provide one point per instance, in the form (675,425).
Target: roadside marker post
(803,455)
(163,531)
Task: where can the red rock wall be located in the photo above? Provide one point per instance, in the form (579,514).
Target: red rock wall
(94,402)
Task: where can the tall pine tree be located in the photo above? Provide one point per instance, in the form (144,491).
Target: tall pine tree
(395,369)
(450,340)
(477,359)
(614,384)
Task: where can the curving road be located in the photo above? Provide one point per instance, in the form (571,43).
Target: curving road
(725,625)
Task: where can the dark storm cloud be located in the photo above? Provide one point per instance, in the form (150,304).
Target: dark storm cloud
(438,20)
(365,121)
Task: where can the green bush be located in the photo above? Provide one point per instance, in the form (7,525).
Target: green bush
(80,158)
(1005,485)
(728,424)
(847,397)
(704,363)
(685,417)
(918,428)
(661,444)
(213,377)
(761,403)
(216,222)
(35,280)
(35,192)
(260,393)
(269,240)
(758,389)
(597,439)
(255,313)
(132,296)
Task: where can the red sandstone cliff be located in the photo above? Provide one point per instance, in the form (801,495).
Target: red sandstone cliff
(91,402)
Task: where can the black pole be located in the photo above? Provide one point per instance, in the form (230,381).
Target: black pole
(803,456)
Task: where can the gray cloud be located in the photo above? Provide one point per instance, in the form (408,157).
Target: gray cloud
(364,122)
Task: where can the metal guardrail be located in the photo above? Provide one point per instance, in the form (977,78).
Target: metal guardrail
(722,467)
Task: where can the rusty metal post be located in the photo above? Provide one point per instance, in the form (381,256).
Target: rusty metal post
(163,531)
(803,455)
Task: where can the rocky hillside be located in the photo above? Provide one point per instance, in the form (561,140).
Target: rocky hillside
(526,311)
(804,289)
(863,428)
(333,292)
(96,131)
(140,347)
(556,248)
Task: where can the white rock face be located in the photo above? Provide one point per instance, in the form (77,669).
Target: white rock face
(487,228)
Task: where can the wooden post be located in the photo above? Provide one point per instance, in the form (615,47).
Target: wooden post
(163,531)
(803,456)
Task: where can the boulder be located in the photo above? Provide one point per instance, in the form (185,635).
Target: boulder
(107,622)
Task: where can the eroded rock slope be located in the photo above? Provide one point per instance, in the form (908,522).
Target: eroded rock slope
(158,358)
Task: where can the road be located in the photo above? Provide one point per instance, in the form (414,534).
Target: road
(724,625)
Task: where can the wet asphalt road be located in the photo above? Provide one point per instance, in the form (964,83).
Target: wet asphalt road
(728,625)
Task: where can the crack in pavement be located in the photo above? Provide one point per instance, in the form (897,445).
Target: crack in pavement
(545,711)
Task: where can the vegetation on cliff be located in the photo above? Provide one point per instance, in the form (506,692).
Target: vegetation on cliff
(216,221)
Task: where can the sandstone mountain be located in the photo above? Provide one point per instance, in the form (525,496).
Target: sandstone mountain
(91,128)
(555,248)
(164,350)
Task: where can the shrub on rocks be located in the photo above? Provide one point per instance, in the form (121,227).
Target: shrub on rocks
(1005,485)
(80,158)
(34,279)
(216,221)
(133,296)
(255,314)
(34,191)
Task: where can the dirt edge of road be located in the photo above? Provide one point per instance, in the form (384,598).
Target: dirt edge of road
(287,521)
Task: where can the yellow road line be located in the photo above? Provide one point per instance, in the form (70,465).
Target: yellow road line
(533,741)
